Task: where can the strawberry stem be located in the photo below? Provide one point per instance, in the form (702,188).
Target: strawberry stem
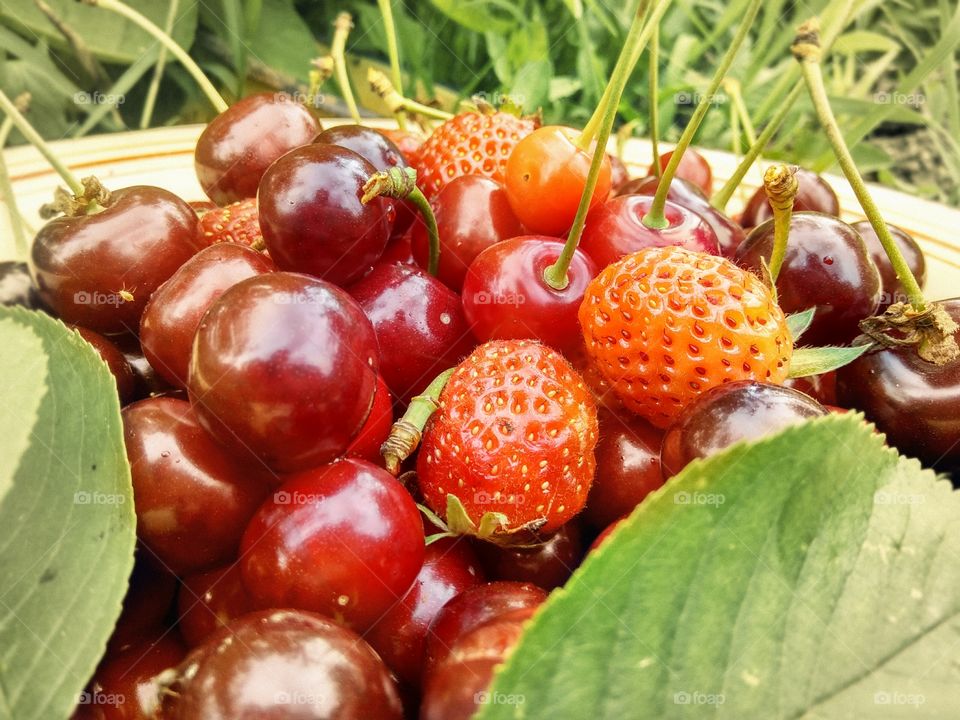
(780,184)
(406,432)
(396,102)
(638,36)
(655,217)
(401,184)
(160,36)
(386,11)
(338,51)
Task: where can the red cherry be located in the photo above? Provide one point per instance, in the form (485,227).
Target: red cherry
(822,388)
(312,218)
(115,361)
(472,213)
(628,467)
(607,532)
(419,324)
(366,445)
(547,565)
(619,175)
(399,252)
(173,314)
(893,291)
(209,600)
(814,194)
(99,270)
(545,177)
(147,381)
(148,600)
(400,636)
(238,145)
(344,540)
(284,366)
(615,229)
(408,142)
(193,500)
(693,168)
(505,296)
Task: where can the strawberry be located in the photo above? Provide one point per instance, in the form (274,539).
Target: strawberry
(510,449)
(664,325)
(471,143)
(237,222)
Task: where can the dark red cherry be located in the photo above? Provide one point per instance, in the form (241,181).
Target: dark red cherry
(813,194)
(238,145)
(505,295)
(147,381)
(147,603)
(619,175)
(312,218)
(450,567)
(827,267)
(399,252)
(284,366)
(893,291)
(408,142)
(688,195)
(693,168)
(171,317)
(344,540)
(279,665)
(366,445)
(914,402)
(472,214)
(473,608)
(99,270)
(193,499)
(822,388)
(615,229)
(16,286)
(547,565)
(731,413)
(607,532)
(127,686)
(115,362)
(628,467)
(209,600)
(419,324)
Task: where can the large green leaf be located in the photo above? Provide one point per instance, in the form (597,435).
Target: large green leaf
(107,35)
(282,40)
(814,574)
(66,510)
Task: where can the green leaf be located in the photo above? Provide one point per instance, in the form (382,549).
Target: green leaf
(531,87)
(479,15)
(814,574)
(66,510)
(808,361)
(282,40)
(860,41)
(799,323)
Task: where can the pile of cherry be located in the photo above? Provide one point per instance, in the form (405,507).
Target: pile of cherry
(263,350)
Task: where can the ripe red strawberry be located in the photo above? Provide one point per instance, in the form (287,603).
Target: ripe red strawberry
(237,222)
(471,143)
(664,325)
(510,448)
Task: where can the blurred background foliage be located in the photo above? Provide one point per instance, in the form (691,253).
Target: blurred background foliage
(893,73)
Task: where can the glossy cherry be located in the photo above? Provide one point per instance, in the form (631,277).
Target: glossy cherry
(344,540)
(147,381)
(284,366)
(419,324)
(450,567)
(731,413)
(628,467)
(399,252)
(238,145)
(193,499)
(615,229)
(545,177)
(171,318)
(472,213)
(209,600)
(408,142)
(16,285)
(893,291)
(814,194)
(99,270)
(547,565)
(914,402)
(312,218)
(282,664)
(693,168)
(505,295)
(366,445)
(115,361)
(822,388)
(826,266)
(146,605)
(619,174)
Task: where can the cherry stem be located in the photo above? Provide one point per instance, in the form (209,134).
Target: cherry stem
(406,432)
(654,92)
(401,184)
(781,185)
(338,51)
(151,99)
(396,102)
(637,38)
(733,89)
(806,49)
(33,137)
(655,217)
(20,242)
(160,36)
(390,28)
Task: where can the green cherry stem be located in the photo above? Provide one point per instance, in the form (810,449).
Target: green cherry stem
(396,102)
(655,217)
(338,51)
(151,99)
(734,90)
(160,36)
(654,92)
(406,432)
(780,184)
(20,243)
(390,28)
(637,38)
(806,49)
(401,184)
